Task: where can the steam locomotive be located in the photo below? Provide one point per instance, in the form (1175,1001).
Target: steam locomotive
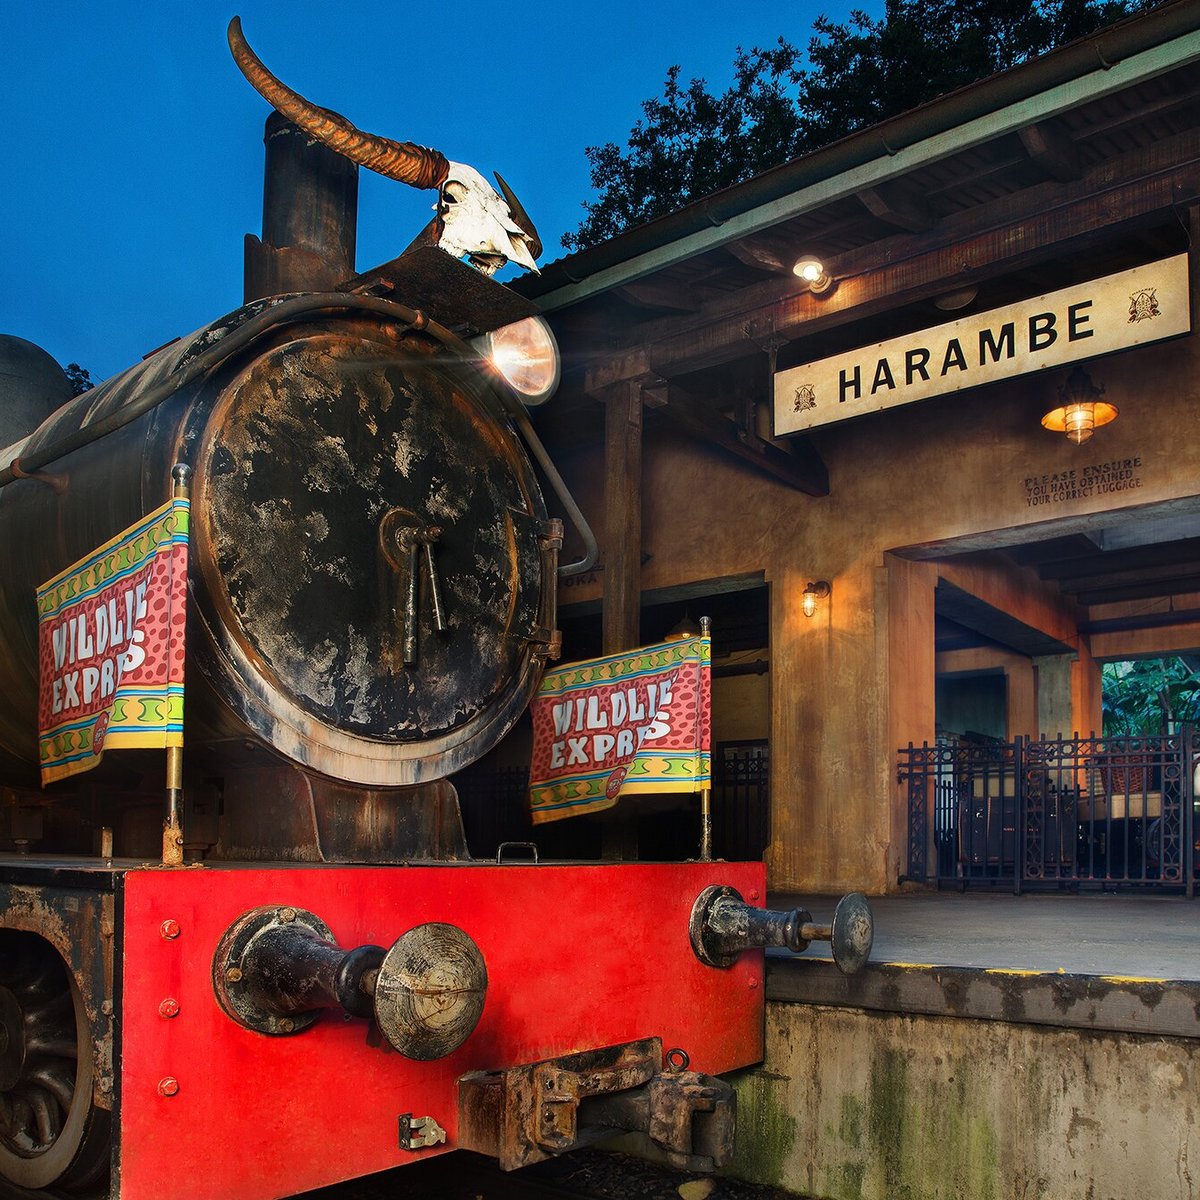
(328,985)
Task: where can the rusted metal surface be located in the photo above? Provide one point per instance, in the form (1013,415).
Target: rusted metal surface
(722,926)
(430,990)
(301,467)
(310,216)
(276,812)
(692,1119)
(275,968)
(295,653)
(527,1114)
(56,1006)
(285,1103)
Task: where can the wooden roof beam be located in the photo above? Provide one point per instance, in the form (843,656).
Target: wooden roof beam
(888,205)
(763,253)
(652,293)
(799,465)
(1052,218)
(1179,586)
(1054,151)
(1157,560)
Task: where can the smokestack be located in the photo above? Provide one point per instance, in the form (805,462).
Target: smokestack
(310,215)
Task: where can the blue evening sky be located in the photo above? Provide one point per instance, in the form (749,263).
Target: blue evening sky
(131,151)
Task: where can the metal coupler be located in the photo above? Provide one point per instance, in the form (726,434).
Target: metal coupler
(722,925)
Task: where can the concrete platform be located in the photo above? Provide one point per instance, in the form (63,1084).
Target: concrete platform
(1103,963)
(1131,936)
(995,1046)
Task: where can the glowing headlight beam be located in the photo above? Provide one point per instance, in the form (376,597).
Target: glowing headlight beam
(526,355)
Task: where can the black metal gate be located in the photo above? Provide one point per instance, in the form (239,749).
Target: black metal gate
(1105,812)
(495,809)
(741,776)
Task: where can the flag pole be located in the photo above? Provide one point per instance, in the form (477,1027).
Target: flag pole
(706,791)
(172,847)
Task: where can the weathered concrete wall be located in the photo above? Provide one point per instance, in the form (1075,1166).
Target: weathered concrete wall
(886,1107)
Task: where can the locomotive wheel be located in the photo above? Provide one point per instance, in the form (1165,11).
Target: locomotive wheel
(51,1134)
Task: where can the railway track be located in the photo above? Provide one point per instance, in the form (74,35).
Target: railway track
(583,1175)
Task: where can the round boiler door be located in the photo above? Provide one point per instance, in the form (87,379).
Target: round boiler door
(430,992)
(368,533)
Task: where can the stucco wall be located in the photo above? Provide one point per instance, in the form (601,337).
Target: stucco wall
(856,681)
(886,1107)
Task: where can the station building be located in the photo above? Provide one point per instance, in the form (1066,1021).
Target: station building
(928,489)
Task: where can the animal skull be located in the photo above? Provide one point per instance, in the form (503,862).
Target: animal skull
(476,222)
(472,220)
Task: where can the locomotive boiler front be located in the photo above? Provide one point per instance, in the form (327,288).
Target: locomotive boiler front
(371,577)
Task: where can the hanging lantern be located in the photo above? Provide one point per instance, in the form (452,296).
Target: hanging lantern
(1080,412)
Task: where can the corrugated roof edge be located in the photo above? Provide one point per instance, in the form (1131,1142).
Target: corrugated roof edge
(1099,52)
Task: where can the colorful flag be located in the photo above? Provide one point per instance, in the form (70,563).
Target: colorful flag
(111,646)
(624,724)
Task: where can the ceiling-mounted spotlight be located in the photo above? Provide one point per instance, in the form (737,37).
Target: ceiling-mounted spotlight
(812,271)
(953,301)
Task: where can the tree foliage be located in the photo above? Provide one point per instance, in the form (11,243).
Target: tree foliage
(783,103)
(79,378)
(1150,695)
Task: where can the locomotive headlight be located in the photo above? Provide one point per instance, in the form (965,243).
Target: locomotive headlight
(526,354)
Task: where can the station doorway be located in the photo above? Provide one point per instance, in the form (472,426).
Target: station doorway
(1064,692)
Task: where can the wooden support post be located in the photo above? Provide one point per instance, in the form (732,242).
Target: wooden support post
(622,559)
(622,517)
(1193,229)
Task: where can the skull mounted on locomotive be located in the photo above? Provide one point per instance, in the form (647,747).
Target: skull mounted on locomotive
(330,986)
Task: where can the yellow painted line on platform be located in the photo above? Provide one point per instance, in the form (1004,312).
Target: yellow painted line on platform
(1020,972)
(873,962)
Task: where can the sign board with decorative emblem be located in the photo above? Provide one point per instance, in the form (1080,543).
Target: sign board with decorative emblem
(1145,304)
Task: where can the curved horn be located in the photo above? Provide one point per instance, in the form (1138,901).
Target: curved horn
(404,161)
(520,216)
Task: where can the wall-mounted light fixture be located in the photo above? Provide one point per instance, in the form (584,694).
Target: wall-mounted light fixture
(685,627)
(813,592)
(1080,412)
(812,271)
